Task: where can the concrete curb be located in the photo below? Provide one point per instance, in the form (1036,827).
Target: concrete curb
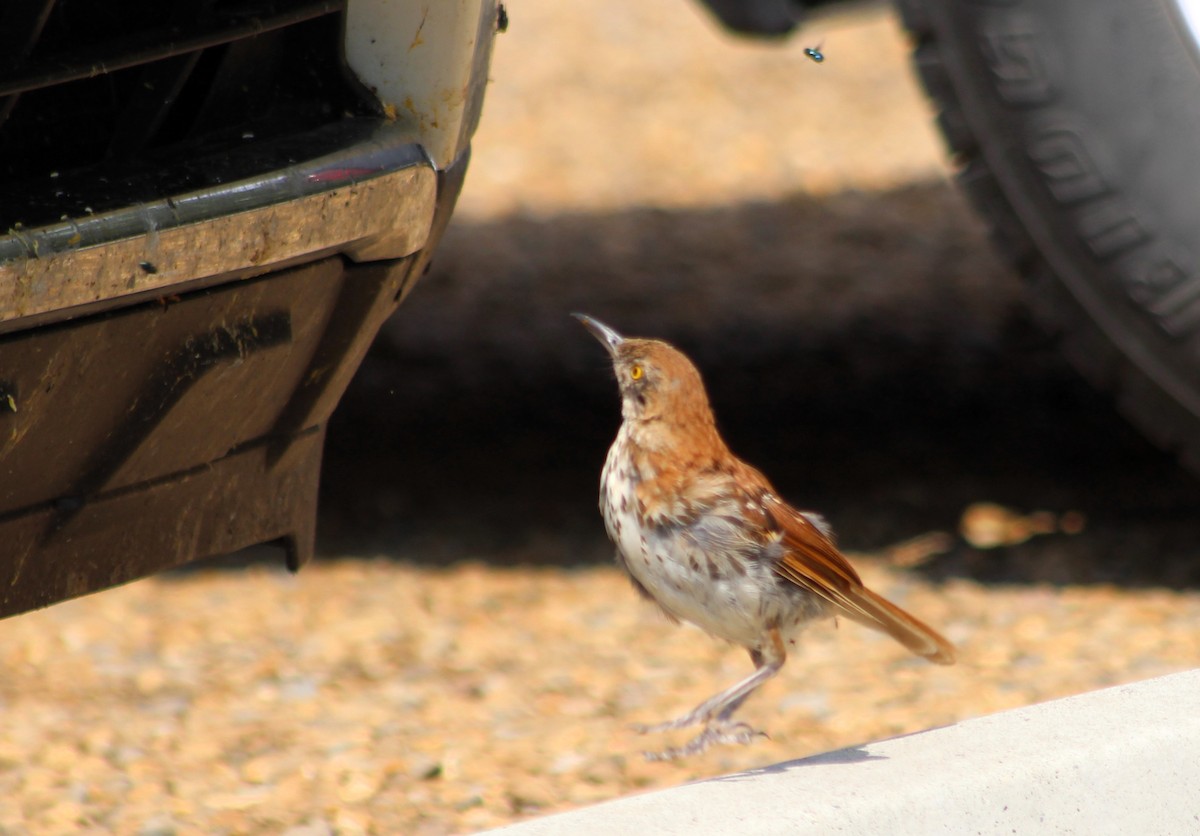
(1121,760)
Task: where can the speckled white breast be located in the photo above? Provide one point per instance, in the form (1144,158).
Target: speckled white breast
(702,572)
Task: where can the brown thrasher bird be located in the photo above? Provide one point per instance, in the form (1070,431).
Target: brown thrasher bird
(705,536)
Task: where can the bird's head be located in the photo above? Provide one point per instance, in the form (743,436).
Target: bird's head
(658,383)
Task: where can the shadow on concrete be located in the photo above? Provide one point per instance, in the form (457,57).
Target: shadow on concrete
(849,755)
(866,351)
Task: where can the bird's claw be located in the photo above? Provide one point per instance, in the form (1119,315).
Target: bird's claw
(723,733)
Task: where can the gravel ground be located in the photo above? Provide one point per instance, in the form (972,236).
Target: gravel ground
(382,697)
(464,654)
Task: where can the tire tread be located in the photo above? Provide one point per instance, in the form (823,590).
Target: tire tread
(1163,420)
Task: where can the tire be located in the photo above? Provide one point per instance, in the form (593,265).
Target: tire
(1076,128)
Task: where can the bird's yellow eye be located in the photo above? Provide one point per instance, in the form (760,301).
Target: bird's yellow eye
(636,372)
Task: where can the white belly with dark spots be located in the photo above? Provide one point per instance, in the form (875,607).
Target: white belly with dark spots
(704,589)
(731,596)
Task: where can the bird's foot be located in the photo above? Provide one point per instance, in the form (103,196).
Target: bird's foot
(711,712)
(714,733)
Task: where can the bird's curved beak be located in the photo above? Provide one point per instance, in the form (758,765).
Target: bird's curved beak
(607,336)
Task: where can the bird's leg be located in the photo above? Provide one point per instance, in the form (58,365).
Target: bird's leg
(716,712)
(719,707)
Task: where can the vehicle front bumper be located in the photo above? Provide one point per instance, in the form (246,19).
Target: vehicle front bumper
(160,415)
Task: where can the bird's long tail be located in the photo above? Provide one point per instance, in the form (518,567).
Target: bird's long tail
(875,611)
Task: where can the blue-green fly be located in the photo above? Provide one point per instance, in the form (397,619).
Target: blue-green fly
(814,52)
